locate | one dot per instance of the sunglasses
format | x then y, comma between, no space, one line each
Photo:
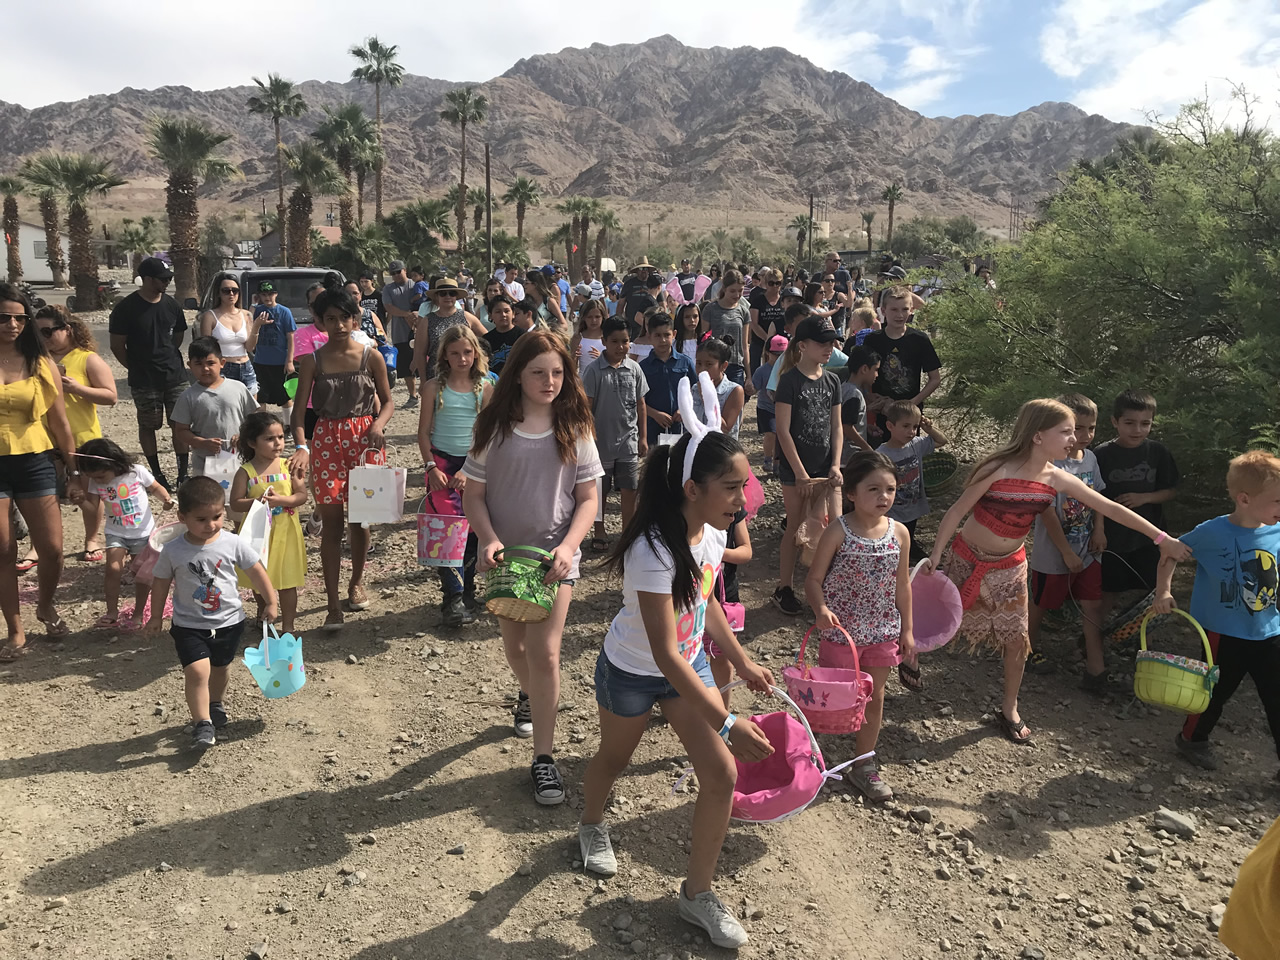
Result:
48,332
450,296
13,318
775,283
230,289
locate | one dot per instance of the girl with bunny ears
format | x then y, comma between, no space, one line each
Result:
653,652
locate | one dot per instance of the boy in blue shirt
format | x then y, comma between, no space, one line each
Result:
274,328
663,370
1234,597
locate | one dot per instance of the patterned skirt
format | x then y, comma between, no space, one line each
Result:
993,590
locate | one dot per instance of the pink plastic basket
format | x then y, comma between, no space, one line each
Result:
442,534
788,780
755,496
145,572
832,699
936,609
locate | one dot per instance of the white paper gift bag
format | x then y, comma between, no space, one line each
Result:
375,493
222,466
256,529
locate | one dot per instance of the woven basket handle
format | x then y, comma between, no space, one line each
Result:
800,658
544,556
1142,633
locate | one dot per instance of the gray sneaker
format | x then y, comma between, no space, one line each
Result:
706,911
1198,753
202,737
596,850
865,778
523,725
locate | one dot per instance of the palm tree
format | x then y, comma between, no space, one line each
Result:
416,227
700,251
83,176
505,248
892,194
868,217
524,193
801,225
343,135
368,158
314,175
464,106
139,240
377,66
367,247
572,208
278,99
479,200
563,234
185,146
43,173
607,222
720,237
11,186
592,210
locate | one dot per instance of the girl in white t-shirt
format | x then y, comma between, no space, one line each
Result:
588,343
123,486
653,653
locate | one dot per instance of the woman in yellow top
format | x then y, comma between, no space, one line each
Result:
87,384
1251,928
32,418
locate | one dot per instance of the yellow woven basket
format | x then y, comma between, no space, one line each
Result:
1173,682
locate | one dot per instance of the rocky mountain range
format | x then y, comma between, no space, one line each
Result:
657,120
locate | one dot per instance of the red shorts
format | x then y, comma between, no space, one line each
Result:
336,447
872,655
1049,591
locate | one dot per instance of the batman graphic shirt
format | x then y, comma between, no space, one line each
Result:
1236,578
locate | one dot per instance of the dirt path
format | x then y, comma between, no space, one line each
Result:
322,826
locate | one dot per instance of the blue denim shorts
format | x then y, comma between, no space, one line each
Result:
631,694
245,373
28,476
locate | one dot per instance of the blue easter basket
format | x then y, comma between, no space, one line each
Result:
276,663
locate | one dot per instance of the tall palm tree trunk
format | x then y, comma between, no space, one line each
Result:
575,259
346,205
584,231
462,195
377,170
11,224
600,238
568,253
360,197
799,246
300,209
888,240
280,207
520,221
84,265
53,239
184,241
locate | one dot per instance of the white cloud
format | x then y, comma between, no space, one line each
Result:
1154,55
920,93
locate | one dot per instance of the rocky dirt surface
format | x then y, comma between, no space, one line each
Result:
385,811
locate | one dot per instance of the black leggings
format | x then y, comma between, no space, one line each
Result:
917,552
456,580
1235,658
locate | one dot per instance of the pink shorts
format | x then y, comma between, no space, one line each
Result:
873,655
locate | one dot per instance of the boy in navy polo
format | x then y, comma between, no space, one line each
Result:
1234,597
663,370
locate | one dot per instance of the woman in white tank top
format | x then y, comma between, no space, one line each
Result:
230,326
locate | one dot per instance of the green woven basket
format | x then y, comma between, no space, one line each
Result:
514,589
940,471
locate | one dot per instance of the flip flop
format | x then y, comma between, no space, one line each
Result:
57,627
10,653
106,622
22,566
1016,733
92,556
909,677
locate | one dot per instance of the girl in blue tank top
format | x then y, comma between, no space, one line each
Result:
450,403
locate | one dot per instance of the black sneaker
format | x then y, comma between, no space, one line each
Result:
218,714
469,601
523,725
202,737
1098,684
548,788
1196,752
1039,664
784,598
454,611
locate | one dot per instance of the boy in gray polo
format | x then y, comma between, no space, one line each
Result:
616,386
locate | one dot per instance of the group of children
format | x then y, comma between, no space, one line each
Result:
568,419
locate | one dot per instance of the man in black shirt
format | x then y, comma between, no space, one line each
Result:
639,302
146,330
687,279
371,296
906,354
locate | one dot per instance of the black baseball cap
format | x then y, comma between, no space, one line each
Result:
816,328
156,268
266,286
395,266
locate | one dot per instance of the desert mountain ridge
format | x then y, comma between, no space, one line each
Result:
652,121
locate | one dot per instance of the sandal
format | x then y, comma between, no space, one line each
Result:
92,556
22,566
599,544
57,627
10,653
909,677
106,622
1014,732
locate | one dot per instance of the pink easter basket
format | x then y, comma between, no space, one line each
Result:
832,699
442,532
755,496
788,780
936,609
145,571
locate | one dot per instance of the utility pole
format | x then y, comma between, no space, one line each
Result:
648,243
809,231
488,207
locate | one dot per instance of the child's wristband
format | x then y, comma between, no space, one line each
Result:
728,725
1160,539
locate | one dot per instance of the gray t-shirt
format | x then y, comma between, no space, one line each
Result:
205,593
214,412
728,322
615,394
911,502
399,295
1075,517
529,491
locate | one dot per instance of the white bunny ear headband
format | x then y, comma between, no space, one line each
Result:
697,428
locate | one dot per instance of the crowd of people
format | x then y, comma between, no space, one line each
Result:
537,398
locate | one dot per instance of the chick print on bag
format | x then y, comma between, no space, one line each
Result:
207,593
690,625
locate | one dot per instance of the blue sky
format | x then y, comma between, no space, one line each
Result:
1120,58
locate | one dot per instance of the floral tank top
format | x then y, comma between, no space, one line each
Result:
861,588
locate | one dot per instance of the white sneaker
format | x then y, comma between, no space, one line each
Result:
548,787
523,725
596,850
706,911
